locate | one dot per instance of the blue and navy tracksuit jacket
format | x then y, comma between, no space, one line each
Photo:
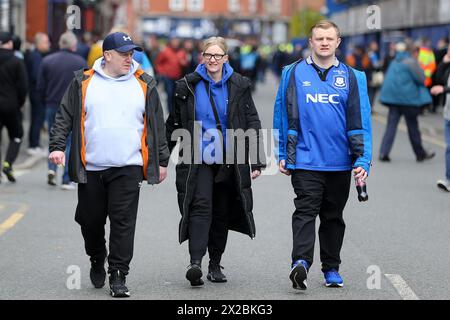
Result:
323,118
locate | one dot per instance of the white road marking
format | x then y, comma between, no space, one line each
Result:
402,287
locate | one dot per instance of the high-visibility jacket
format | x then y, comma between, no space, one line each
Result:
427,62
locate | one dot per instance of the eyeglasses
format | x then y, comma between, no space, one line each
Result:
217,56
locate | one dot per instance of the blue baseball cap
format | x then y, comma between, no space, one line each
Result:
119,41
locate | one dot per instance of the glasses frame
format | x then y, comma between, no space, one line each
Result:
205,55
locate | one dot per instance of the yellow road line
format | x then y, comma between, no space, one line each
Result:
402,127
13,219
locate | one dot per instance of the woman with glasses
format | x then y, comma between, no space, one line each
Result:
213,175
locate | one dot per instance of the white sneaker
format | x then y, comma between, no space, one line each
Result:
31,151
51,177
38,151
69,186
444,184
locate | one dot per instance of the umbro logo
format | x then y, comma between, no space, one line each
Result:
126,38
306,84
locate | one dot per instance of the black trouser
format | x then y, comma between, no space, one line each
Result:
394,115
208,215
114,193
324,194
13,123
37,119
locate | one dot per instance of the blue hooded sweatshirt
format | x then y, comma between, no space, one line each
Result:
203,109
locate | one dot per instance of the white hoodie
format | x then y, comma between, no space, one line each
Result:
114,120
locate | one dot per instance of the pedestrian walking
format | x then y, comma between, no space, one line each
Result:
375,75
33,60
322,113
117,124
13,91
249,63
214,195
54,78
427,60
170,65
442,77
404,93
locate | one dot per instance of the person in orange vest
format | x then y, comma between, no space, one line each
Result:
427,61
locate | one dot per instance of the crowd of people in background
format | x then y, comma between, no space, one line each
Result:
169,59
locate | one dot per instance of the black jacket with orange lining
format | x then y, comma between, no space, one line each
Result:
71,115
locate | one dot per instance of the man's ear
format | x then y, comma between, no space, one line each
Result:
107,56
338,42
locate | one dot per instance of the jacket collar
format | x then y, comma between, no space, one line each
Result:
236,86
309,60
238,81
80,76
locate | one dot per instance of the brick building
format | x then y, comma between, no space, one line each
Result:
27,17
264,19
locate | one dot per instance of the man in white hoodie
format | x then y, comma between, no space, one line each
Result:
118,140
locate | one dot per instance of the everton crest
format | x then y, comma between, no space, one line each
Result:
339,82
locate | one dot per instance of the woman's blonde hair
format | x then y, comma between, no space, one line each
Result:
219,41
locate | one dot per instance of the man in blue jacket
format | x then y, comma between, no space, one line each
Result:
322,121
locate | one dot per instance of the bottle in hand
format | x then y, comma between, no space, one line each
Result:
362,190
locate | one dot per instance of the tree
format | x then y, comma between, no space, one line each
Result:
302,21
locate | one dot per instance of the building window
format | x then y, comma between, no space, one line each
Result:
272,7
195,5
253,6
234,5
276,6
176,5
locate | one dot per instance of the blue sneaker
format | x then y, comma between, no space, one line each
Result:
298,274
333,279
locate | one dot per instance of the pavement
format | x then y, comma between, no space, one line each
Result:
394,248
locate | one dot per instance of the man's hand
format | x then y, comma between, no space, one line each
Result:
162,174
57,157
281,167
360,173
447,57
435,90
256,174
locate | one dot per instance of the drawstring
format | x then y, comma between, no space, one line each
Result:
224,98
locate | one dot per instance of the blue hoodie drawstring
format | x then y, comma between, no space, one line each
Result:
224,99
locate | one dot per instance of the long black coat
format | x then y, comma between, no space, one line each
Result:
242,114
